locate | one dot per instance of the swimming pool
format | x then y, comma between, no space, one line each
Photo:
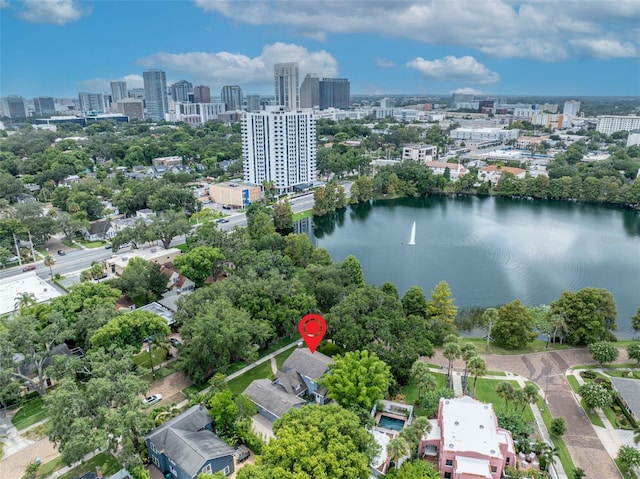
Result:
391,423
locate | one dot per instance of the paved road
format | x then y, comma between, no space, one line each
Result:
548,371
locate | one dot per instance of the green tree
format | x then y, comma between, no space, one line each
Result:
357,379
506,391
514,328
224,412
633,351
35,343
199,263
477,367
107,407
282,215
558,426
414,433
635,321
603,352
590,315
414,302
397,448
172,197
49,261
468,351
217,334
595,396
529,394
130,329
259,222
315,441
441,306
299,249
451,351
5,254
414,470
629,456
167,225
423,378
353,269
142,281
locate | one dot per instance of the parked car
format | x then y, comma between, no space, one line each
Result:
223,220
61,252
226,207
109,246
175,342
29,267
242,453
153,399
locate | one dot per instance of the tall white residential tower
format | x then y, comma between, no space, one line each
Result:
279,146
286,77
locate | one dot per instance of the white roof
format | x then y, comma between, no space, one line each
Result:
382,440
472,466
469,425
12,286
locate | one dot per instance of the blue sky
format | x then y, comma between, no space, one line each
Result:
537,47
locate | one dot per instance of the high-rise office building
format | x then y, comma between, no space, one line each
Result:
132,107
180,90
334,93
155,94
136,93
571,108
201,94
279,146
286,83
118,91
91,103
253,103
310,91
44,105
14,107
231,96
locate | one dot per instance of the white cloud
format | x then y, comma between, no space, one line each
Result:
52,11
217,69
467,91
101,85
450,68
384,63
550,30
4,4
605,48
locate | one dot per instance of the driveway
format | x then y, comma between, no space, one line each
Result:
547,370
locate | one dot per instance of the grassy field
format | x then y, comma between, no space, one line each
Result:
29,413
142,359
626,472
410,391
302,215
48,468
532,347
239,384
105,460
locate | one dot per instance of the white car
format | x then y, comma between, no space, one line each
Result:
153,399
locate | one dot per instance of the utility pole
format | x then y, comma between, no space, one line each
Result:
17,250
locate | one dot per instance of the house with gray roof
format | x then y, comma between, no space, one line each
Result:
271,400
295,381
300,372
629,393
186,446
99,230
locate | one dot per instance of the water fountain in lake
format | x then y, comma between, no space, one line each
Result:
412,240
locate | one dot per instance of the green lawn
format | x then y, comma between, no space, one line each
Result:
29,413
50,467
239,384
563,452
593,417
623,373
302,215
410,391
282,357
626,472
532,347
142,359
105,460
573,382
91,244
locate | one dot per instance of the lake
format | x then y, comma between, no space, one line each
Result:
491,250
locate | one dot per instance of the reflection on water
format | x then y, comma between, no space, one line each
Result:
492,250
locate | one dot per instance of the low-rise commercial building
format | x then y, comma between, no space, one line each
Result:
236,194
118,262
484,134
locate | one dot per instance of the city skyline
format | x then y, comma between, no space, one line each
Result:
493,48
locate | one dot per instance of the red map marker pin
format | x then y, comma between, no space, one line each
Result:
312,328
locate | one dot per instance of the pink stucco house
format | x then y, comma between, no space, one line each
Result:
465,441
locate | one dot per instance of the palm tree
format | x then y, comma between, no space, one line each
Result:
24,300
489,319
548,456
49,261
477,367
506,391
451,351
413,434
468,351
423,378
529,395
558,325
397,449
